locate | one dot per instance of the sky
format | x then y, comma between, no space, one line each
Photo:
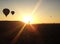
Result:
42,11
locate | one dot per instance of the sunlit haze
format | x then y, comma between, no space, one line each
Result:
39,11
27,19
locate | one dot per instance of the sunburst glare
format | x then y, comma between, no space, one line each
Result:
27,19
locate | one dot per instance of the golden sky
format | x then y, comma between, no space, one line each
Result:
41,11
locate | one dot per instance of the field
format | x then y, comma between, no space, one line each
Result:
37,34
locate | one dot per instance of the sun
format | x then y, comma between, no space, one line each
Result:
27,19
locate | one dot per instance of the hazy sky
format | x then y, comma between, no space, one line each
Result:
47,11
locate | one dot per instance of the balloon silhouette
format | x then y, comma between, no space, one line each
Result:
12,12
6,11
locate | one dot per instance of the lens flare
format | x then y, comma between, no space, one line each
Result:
27,19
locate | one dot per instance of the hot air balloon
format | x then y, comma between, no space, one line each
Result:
6,11
12,12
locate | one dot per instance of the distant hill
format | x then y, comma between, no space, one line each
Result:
44,34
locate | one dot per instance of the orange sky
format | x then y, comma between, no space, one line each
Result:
40,10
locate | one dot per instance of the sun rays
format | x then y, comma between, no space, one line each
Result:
18,34
36,6
27,20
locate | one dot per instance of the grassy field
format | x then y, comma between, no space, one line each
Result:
31,34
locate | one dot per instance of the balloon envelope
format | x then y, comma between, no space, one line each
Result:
12,12
6,11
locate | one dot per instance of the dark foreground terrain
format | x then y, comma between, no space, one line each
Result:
42,33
